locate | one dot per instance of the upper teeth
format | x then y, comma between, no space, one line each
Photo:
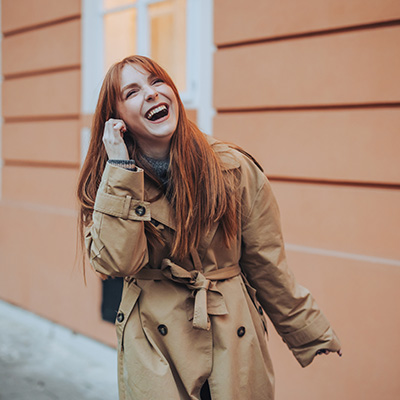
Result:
155,110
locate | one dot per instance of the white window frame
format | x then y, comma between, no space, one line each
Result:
199,62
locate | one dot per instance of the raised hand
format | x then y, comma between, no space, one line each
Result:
113,139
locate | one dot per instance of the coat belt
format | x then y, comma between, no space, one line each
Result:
207,298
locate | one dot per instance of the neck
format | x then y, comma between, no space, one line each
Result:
158,150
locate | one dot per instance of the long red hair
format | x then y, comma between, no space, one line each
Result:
200,192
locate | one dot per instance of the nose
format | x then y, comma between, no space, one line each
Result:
151,93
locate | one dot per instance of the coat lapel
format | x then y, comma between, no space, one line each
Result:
160,209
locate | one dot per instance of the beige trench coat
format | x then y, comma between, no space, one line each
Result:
176,329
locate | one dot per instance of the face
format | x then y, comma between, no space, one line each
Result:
148,107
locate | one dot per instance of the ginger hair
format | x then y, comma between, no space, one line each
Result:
201,193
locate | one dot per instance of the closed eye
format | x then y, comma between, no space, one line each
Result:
156,81
130,93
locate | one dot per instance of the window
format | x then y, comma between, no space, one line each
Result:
175,33
156,29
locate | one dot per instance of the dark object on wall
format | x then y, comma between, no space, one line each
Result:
112,292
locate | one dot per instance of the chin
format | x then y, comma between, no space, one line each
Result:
164,132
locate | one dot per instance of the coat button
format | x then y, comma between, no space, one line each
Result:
241,331
140,210
120,316
162,329
260,310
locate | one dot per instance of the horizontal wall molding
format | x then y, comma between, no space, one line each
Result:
40,164
44,50
347,69
18,15
374,185
45,95
340,145
315,107
41,118
271,18
41,25
49,71
341,254
303,35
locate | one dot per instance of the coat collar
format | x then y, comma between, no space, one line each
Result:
225,153
161,208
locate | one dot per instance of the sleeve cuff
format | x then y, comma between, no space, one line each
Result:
308,333
126,164
122,182
305,342
122,207
305,354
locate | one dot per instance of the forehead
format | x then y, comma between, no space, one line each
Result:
133,74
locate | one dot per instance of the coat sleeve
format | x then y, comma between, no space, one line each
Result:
291,308
116,241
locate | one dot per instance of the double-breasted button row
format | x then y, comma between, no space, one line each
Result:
140,211
164,330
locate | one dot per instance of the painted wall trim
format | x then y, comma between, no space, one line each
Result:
85,141
92,55
200,50
205,30
341,254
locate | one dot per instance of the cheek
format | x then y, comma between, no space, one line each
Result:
176,111
129,112
120,111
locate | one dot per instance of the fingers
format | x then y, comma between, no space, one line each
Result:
113,139
326,351
114,130
119,126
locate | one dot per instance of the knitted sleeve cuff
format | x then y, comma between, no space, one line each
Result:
126,164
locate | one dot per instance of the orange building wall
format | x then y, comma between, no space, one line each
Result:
312,89
41,92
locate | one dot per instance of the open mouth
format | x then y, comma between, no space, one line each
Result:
157,112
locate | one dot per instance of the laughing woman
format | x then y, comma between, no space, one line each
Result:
192,226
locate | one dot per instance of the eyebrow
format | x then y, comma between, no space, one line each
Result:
128,86
134,84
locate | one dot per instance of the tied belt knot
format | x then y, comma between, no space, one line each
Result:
207,298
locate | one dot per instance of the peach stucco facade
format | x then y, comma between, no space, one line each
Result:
311,88
41,97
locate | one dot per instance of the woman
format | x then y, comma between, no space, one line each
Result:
193,227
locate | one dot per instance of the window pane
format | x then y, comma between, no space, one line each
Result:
168,38
119,36
108,4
